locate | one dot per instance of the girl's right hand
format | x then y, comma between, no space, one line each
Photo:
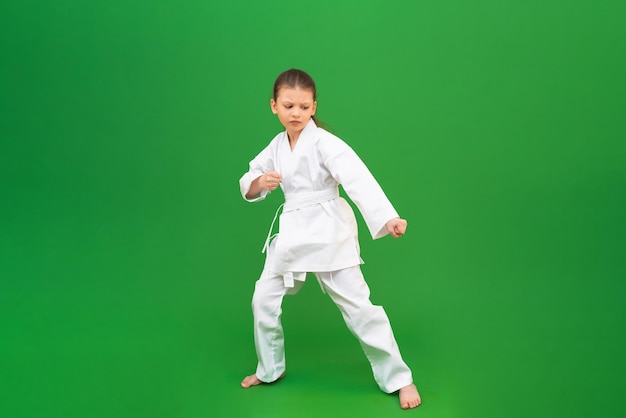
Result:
270,180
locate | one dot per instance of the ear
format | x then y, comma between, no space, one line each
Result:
314,108
273,106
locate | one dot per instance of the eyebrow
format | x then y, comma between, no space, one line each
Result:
288,102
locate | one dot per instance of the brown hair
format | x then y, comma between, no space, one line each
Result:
297,78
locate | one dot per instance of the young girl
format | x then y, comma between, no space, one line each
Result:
318,234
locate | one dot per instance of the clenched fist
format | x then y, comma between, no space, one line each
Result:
396,227
270,180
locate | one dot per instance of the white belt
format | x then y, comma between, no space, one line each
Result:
295,201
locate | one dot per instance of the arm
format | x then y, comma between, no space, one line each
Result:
362,188
252,185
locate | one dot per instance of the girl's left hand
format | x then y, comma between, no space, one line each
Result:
396,227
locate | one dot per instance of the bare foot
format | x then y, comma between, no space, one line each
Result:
252,380
409,397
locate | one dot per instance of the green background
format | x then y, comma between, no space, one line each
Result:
128,258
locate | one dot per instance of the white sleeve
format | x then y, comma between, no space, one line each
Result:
349,170
260,165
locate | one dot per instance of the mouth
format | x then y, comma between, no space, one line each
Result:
294,122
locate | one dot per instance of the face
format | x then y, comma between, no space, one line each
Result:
294,107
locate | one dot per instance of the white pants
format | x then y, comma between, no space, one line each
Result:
367,322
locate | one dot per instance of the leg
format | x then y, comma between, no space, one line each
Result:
371,326
268,331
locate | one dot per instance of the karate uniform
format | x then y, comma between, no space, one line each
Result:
318,234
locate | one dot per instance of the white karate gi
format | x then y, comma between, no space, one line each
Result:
318,234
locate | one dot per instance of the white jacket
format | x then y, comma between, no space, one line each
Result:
318,230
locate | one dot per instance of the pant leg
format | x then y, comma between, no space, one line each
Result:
268,330
369,324
267,300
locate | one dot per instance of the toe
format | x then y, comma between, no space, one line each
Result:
247,382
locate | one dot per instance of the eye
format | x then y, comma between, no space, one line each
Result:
305,107
288,106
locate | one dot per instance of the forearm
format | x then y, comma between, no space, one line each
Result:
255,189
363,189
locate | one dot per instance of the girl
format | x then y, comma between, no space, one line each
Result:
318,234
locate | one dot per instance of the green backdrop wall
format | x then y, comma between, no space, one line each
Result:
128,259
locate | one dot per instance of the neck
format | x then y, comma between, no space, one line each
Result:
293,138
